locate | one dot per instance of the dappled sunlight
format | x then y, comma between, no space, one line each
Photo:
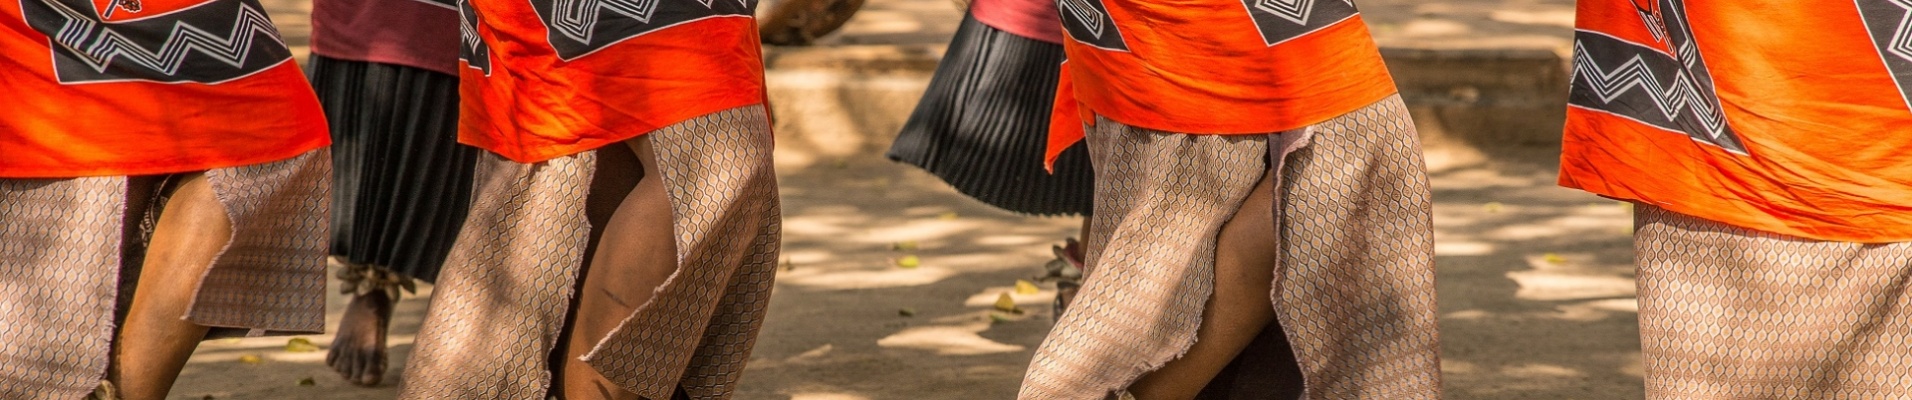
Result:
885,21
1549,281
864,279
826,396
1595,310
1433,27
1541,371
988,296
1462,248
1536,283
1557,18
948,340
921,230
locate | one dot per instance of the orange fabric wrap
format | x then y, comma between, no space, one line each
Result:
1827,132
536,106
1203,69
132,127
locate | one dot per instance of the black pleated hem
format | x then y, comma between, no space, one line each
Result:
402,183
983,124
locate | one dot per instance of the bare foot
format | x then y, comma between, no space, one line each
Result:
358,352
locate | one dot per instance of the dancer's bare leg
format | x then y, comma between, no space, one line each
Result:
635,255
1245,257
155,340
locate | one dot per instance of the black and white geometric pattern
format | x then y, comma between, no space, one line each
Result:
1283,20
576,28
1647,83
214,42
472,48
1889,22
1088,21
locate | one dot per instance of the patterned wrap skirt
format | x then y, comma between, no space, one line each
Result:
1732,313
1353,290
402,183
504,297
71,249
983,124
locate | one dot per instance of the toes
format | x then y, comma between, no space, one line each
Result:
348,365
372,373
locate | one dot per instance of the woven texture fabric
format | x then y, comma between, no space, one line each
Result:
983,124
504,295
1354,289
271,277
402,182
1732,313
59,256
60,249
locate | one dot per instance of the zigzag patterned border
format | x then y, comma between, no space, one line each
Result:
1889,24
1665,84
1088,22
576,19
472,48
101,47
577,28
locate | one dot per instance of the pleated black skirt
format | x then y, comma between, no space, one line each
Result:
402,183
983,124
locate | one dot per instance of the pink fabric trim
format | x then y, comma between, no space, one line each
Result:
1034,19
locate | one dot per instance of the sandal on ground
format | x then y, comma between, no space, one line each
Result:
1066,271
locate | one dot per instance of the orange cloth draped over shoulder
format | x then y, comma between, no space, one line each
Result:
1789,117
543,81
1213,66
102,88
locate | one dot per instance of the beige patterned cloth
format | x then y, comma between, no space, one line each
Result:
1354,290
1732,313
505,291
61,246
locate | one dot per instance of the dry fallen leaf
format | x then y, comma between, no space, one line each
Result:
251,359
997,317
300,345
1007,304
1026,287
909,262
906,311
1554,258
